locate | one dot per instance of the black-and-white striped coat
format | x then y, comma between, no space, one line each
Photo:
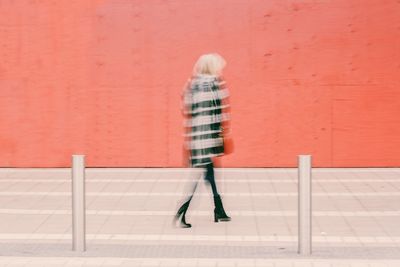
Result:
206,108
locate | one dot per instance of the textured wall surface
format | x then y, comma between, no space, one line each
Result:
104,78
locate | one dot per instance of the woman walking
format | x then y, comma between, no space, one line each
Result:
205,107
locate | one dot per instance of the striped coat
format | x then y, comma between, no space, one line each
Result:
205,106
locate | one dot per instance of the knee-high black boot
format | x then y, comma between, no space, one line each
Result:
182,210
181,214
219,212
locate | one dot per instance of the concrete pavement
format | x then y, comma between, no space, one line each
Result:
356,215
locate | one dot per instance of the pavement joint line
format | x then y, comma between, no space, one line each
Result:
197,237
300,260
241,213
224,180
164,194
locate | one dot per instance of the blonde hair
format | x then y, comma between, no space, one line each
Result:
211,64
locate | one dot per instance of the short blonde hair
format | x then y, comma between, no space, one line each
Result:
211,64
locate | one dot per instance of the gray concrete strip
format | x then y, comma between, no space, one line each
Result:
392,240
184,252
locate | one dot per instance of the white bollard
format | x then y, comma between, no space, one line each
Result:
304,209
78,203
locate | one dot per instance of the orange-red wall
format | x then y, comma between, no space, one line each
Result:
104,78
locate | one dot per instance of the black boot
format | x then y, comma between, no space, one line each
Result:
219,212
181,214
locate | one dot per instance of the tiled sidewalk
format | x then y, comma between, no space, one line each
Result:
356,218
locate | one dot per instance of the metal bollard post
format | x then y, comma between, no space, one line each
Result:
304,209
78,203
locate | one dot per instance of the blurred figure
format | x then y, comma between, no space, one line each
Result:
206,111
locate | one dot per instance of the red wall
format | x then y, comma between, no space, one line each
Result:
104,78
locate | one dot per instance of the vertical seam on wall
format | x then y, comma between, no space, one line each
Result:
167,132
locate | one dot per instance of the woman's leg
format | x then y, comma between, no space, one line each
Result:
210,177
